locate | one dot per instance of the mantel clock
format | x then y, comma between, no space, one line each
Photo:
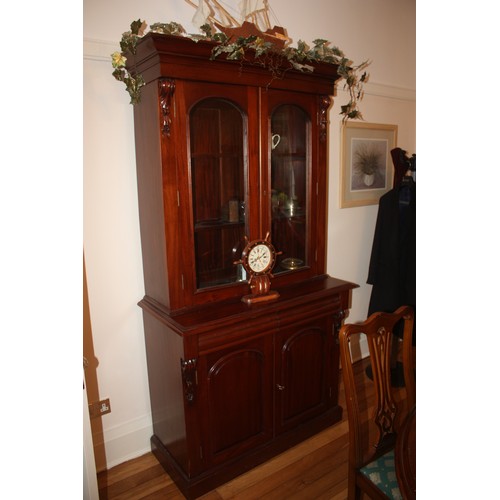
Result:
258,259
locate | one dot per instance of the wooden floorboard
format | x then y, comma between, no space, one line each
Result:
315,469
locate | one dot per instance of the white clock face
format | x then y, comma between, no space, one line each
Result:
259,258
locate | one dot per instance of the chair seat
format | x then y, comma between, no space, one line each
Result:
382,473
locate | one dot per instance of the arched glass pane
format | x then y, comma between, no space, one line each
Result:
289,203
218,190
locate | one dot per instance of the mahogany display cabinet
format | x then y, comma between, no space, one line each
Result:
228,152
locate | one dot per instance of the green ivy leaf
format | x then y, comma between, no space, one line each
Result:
119,74
320,41
301,46
207,29
301,67
260,50
136,26
221,37
129,42
168,28
236,55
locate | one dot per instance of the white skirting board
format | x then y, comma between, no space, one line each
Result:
126,441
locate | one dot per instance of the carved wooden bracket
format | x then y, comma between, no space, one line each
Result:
338,318
188,368
324,104
167,88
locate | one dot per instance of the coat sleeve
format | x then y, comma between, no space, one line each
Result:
377,240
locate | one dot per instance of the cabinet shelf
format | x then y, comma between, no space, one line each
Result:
216,224
289,156
201,154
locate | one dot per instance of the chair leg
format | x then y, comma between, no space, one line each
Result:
357,493
353,490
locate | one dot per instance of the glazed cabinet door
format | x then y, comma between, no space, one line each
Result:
304,375
296,206
236,400
218,195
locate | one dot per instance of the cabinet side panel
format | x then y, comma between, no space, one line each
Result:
164,350
149,185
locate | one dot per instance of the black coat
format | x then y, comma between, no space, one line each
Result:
393,259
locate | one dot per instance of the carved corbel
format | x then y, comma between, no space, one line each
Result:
338,319
167,88
324,104
188,368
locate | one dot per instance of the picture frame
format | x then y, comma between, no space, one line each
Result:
366,169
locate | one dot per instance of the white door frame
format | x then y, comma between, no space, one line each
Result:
90,489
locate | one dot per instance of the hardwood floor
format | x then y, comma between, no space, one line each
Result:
316,469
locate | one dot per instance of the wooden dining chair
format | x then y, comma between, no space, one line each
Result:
371,458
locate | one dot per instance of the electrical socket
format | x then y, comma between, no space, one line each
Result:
99,408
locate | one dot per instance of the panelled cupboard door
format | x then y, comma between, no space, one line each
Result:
304,376
236,407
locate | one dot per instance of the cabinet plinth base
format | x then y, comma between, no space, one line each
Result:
197,486
258,299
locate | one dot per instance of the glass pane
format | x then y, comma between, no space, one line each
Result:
289,163
218,187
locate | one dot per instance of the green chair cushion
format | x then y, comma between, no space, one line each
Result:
382,473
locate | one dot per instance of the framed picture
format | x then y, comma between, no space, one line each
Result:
366,169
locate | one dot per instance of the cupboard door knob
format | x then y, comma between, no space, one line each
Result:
280,387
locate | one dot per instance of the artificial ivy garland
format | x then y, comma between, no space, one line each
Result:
265,52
